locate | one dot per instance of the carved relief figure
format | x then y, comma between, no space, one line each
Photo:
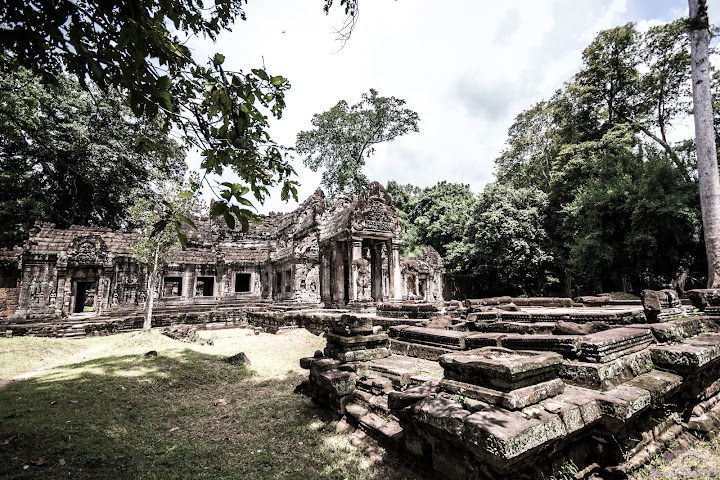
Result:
313,279
53,294
35,291
363,279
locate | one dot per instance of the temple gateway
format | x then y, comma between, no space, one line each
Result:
331,252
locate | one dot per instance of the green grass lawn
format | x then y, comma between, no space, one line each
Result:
100,409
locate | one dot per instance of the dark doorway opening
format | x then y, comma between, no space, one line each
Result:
84,297
346,281
205,287
242,282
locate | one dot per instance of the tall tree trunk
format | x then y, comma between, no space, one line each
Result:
151,291
705,137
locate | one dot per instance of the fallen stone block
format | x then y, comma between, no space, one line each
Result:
610,344
339,383
442,414
659,384
624,402
566,344
684,356
417,350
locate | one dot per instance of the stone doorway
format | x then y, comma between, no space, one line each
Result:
85,297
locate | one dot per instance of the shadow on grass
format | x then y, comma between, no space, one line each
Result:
182,414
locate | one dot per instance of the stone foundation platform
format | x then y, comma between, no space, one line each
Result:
509,403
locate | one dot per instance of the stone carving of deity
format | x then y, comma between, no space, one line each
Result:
53,295
35,291
363,279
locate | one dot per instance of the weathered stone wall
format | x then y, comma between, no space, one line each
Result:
230,317
38,288
9,301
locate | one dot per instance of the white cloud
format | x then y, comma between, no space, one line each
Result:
467,67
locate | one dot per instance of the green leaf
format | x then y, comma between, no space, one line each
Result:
217,209
277,80
229,219
158,227
183,239
218,59
187,220
185,194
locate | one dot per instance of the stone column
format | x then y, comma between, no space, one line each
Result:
354,253
338,281
188,284
62,303
390,276
396,274
376,271
325,276
102,295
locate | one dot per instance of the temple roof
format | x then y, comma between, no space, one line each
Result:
46,239
370,214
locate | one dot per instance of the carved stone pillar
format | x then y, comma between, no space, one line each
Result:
188,284
396,274
390,276
325,276
355,253
376,271
338,281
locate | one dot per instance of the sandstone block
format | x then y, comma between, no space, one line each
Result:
500,368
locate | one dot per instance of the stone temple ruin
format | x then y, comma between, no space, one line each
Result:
328,252
490,388
521,388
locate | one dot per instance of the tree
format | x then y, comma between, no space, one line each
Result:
527,160
592,148
137,47
345,136
440,215
161,219
508,240
74,156
708,177
635,221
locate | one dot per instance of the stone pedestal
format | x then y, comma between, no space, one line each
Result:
352,339
509,378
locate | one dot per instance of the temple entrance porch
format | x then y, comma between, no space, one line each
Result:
360,269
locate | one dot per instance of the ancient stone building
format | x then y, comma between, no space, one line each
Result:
330,252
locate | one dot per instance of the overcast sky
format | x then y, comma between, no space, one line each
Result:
468,67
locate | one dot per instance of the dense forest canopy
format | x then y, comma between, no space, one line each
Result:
595,190
75,156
